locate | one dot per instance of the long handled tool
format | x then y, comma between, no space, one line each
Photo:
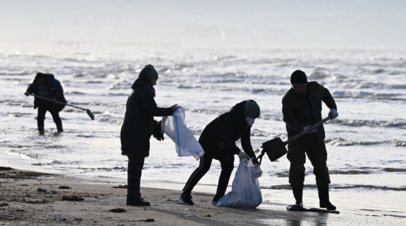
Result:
91,115
275,148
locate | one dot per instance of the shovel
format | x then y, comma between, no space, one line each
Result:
91,115
275,148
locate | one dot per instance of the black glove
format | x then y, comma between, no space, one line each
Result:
156,132
255,161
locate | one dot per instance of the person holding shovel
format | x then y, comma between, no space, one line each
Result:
48,90
218,142
301,108
137,128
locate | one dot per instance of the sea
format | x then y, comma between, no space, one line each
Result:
366,144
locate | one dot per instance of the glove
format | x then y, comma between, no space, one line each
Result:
333,114
27,94
156,132
242,155
310,131
255,161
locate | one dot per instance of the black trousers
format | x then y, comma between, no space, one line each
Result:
134,171
317,155
42,110
227,166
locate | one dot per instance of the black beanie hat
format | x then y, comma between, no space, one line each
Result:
298,77
150,71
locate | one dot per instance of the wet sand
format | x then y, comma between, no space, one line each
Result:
33,198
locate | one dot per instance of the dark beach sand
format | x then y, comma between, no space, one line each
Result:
33,198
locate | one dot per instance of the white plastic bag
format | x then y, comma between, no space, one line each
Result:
186,144
246,192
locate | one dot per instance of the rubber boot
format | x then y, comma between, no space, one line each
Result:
59,127
324,198
41,129
298,194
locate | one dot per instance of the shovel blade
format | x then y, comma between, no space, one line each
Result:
274,148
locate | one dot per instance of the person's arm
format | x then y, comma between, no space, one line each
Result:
57,91
149,105
227,136
289,117
30,89
246,143
328,99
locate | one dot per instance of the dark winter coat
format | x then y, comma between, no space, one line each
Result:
139,118
54,88
225,130
301,111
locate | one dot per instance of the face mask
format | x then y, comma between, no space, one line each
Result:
250,121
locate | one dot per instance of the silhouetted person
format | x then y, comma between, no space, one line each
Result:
218,142
302,106
45,85
137,129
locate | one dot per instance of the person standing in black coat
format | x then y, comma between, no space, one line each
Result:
45,85
218,142
137,129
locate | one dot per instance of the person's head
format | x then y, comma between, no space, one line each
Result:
298,79
40,78
151,72
251,111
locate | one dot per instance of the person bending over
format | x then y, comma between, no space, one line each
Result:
218,142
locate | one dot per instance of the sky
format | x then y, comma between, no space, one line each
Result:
277,24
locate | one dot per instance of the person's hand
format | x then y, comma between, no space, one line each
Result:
242,155
311,130
156,132
255,161
174,108
333,114
27,94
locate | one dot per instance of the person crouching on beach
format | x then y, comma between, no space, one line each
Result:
137,129
46,86
218,142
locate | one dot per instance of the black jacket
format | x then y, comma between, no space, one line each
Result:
300,111
139,118
221,134
55,90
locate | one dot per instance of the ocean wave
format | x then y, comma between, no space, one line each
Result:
369,95
333,186
342,142
398,143
401,124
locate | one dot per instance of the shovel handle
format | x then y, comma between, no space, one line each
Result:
58,102
305,131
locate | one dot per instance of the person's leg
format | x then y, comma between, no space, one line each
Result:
227,166
134,171
40,119
55,116
201,170
318,157
296,156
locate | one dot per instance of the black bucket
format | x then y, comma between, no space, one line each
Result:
274,148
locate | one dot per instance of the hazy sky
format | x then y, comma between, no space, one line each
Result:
360,24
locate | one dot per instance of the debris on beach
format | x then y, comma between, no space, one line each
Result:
3,204
207,215
147,220
2,168
38,201
71,198
41,190
118,210
64,187
121,186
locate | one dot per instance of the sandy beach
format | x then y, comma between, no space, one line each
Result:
33,198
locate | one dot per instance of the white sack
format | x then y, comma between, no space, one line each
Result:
246,192
186,144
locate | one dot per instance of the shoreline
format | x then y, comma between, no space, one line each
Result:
33,198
